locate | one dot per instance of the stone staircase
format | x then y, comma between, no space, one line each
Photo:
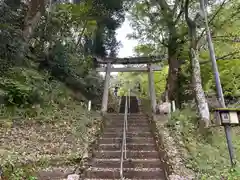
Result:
134,108
143,160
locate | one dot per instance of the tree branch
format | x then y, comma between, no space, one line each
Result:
233,15
82,32
180,13
164,5
188,20
212,18
176,5
166,10
225,57
151,17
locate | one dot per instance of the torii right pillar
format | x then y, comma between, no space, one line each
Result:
106,89
152,92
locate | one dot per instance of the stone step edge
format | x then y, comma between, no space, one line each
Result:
121,179
96,169
132,138
127,133
121,128
132,132
118,126
133,160
128,144
128,151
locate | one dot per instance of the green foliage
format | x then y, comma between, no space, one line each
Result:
22,87
18,94
151,22
59,44
47,78
207,153
19,173
225,28
58,116
130,80
229,75
97,27
10,36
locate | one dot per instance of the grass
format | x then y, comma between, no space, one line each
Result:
207,153
54,132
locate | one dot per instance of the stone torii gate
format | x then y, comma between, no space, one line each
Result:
107,63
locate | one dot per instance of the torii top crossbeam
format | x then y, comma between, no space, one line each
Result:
131,60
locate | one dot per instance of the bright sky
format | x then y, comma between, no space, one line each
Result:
127,44
127,48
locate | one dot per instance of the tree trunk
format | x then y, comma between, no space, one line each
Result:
199,93
200,98
34,13
172,80
30,25
169,15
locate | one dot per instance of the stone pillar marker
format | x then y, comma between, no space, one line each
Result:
106,87
152,88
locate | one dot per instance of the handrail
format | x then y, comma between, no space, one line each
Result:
129,101
124,144
119,103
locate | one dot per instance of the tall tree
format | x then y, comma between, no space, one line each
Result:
196,71
165,20
35,9
162,24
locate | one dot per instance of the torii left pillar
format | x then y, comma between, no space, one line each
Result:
152,92
106,86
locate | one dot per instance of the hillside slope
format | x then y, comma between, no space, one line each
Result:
43,124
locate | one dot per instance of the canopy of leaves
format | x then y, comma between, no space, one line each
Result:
60,38
150,23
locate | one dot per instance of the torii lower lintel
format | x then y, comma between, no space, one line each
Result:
129,69
131,60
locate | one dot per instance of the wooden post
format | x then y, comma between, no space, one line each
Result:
106,86
173,106
152,88
89,105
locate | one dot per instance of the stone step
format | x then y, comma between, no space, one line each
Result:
130,116
121,114
129,140
132,147
120,118
129,134
114,173
119,179
132,163
120,121
147,128
117,125
129,126
130,154
130,129
55,174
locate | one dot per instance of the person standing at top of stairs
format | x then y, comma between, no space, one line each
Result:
115,90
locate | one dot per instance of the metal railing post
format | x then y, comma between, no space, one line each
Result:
125,128
124,141
129,93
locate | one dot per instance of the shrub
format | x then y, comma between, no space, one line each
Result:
207,154
19,94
